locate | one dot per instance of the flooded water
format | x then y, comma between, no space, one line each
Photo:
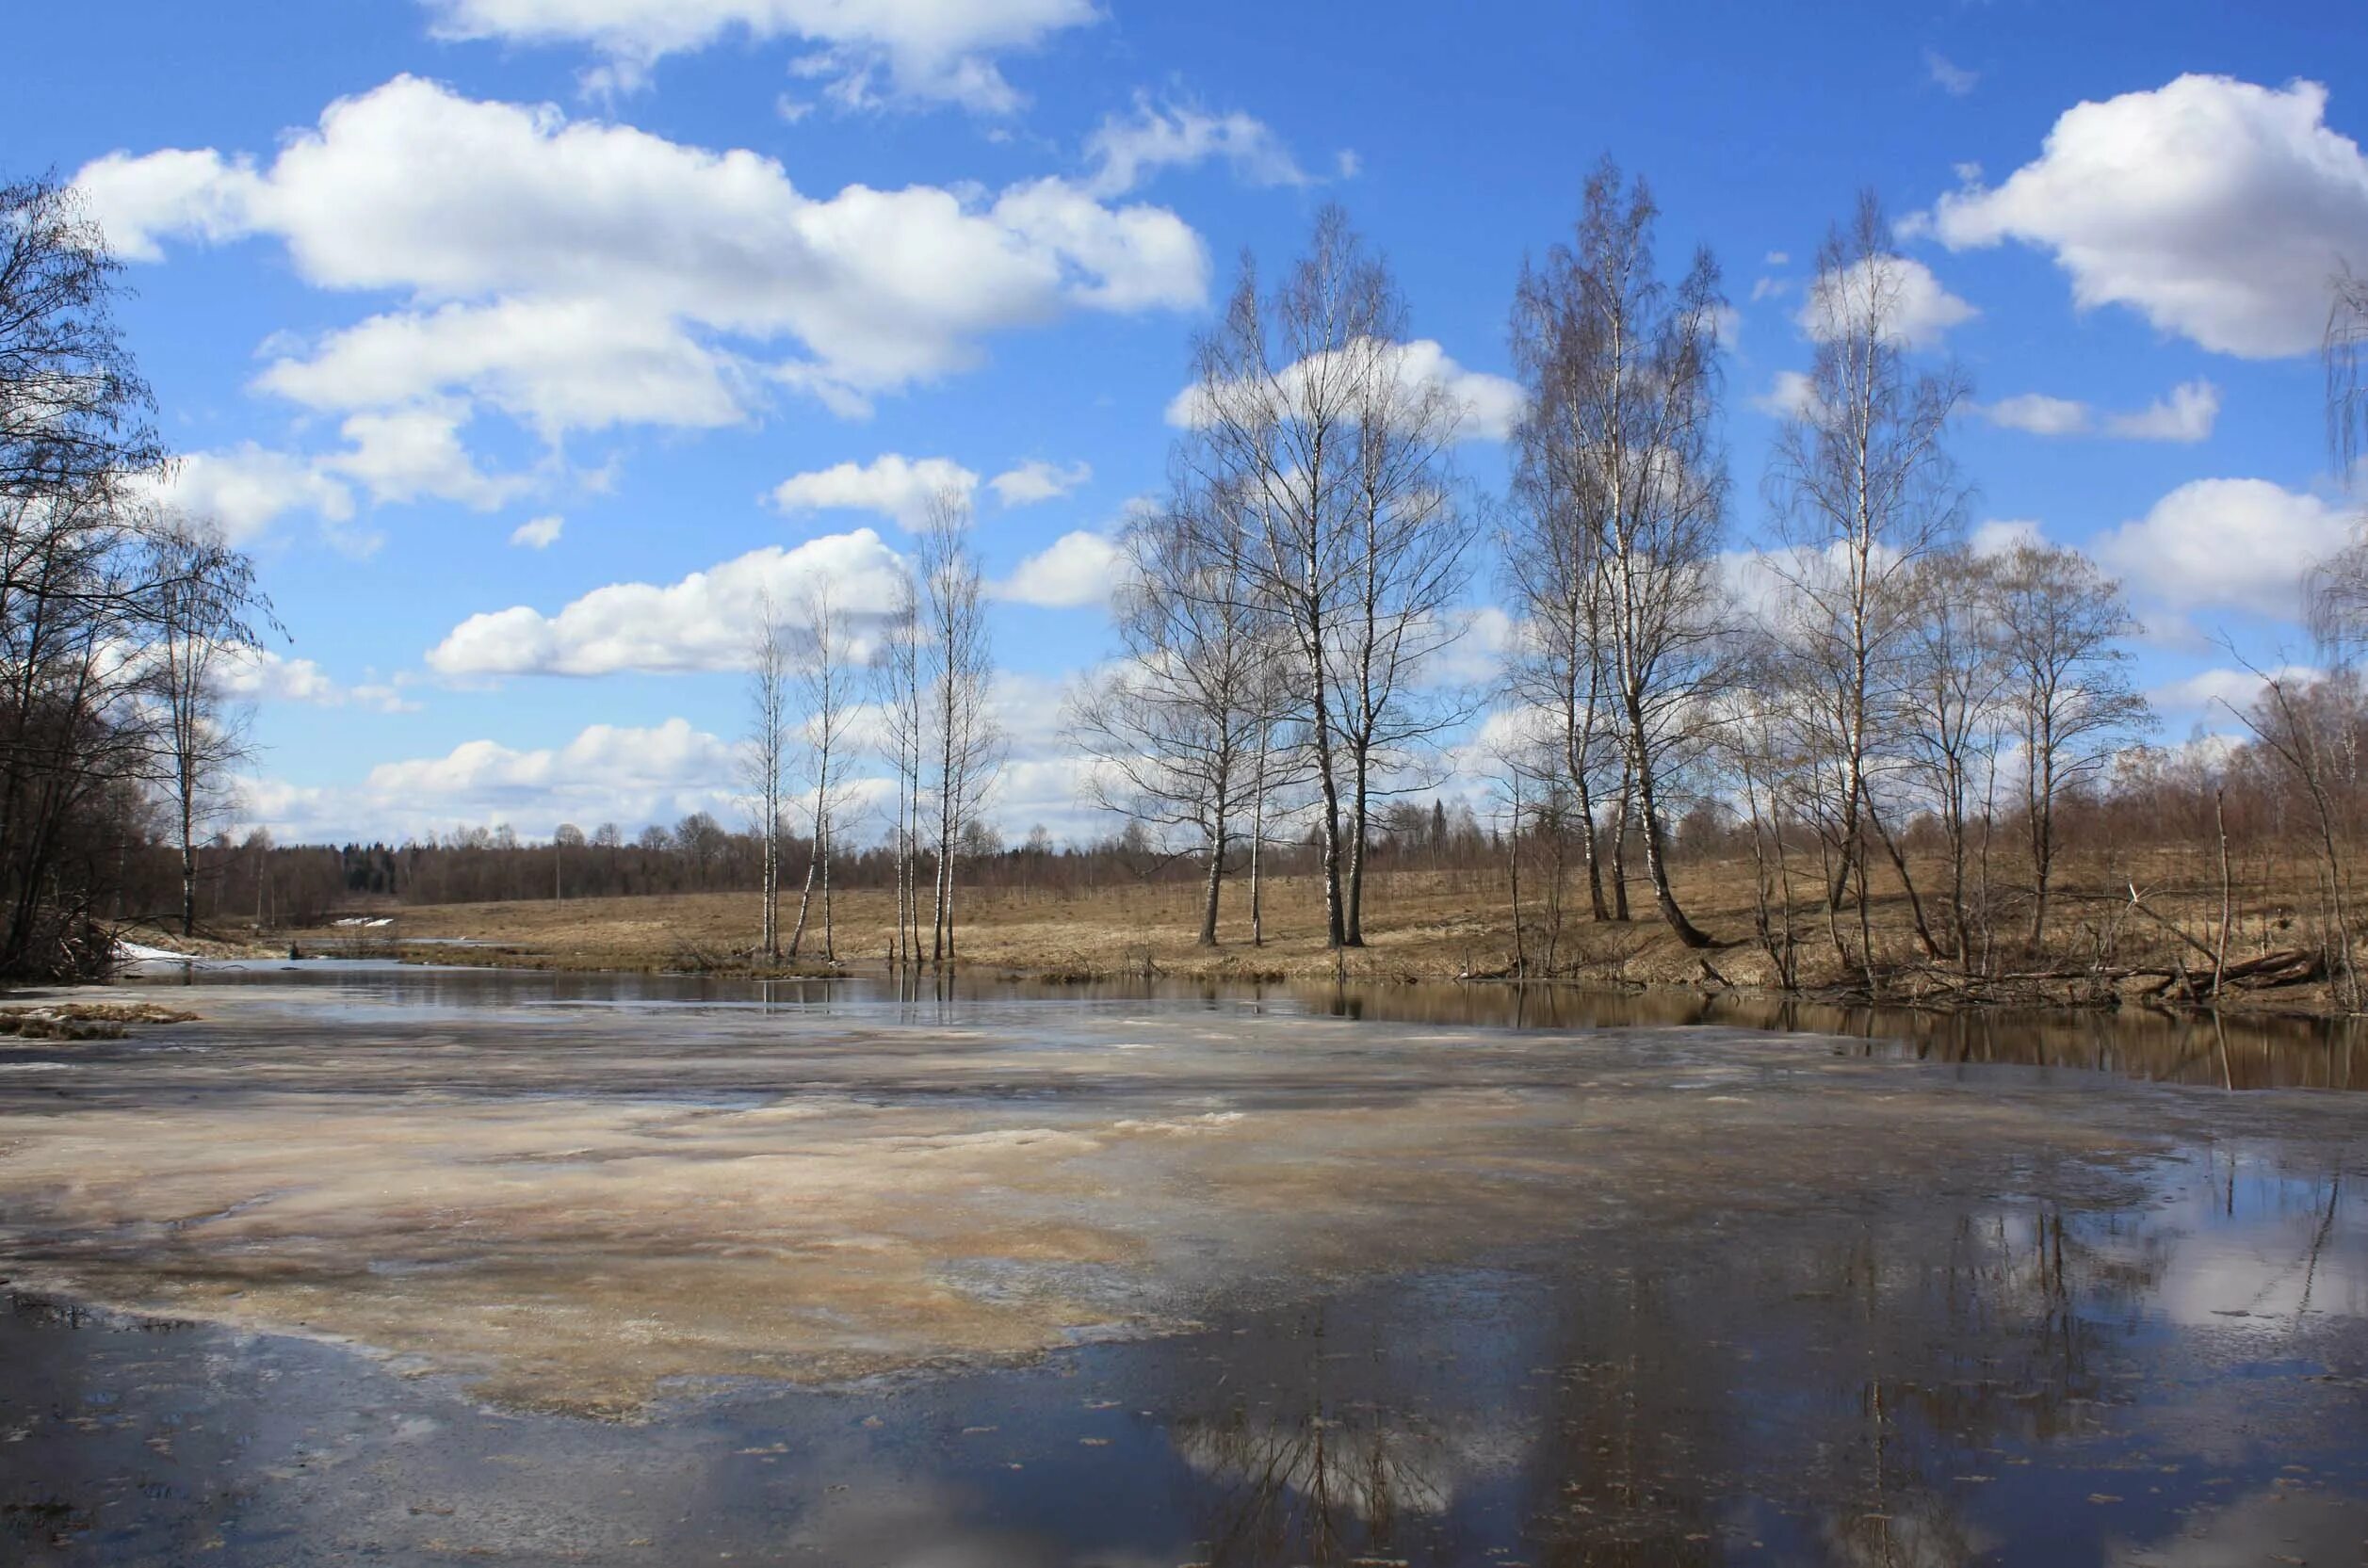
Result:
427,1266
2238,1051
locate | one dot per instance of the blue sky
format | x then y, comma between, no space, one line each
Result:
415,277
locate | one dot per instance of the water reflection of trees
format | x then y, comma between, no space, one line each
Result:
1346,1433
1307,1486
2230,1052
1833,1387
1851,1381
2237,1052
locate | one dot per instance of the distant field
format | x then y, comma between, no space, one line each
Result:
1420,924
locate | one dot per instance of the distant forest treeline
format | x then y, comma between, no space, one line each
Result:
299,886
2172,807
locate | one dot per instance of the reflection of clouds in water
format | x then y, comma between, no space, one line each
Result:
2228,1241
2254,1247
2273,1526
875,1507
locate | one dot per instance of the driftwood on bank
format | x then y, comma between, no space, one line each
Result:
2092,984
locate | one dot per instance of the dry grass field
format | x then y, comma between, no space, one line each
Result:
1420,924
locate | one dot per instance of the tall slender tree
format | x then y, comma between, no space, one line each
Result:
1553,570
200,632
1952,712
768,723
1408,539
824,676
1866,490
1307,410
1174,727
1623,379
965,742
897,691
2062,625
2338,585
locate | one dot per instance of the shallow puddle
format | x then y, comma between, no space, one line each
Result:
534,1270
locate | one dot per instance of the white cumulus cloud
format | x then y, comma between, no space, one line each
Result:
891,485
538,533
1037,481
1998,535
1790,396
629,775
2035,413
864,51
702,622
553,364
415,454
2240,544
1918,311
1949,77
668,753
2212,693
577,273
246,488
2215,208
262,675
1074,570
2186,414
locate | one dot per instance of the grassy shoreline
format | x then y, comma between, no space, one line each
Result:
1421,926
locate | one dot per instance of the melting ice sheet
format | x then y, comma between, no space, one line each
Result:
436,1267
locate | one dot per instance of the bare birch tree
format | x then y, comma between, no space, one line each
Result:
1865,489
965,744
1175,727
1951,709
2338,585
1623,385
1553,567
2344,358
768,723
1278,766
1304,409
200,632
1762,743
1275,401
824,684
1408,539
2061,624
2312,727
897,691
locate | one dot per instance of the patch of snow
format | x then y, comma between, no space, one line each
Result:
140,952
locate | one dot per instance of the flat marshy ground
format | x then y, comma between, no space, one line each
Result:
1420,924
1049,1278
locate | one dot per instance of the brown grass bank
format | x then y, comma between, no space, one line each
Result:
2103,947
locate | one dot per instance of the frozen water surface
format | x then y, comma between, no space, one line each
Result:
431,1264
